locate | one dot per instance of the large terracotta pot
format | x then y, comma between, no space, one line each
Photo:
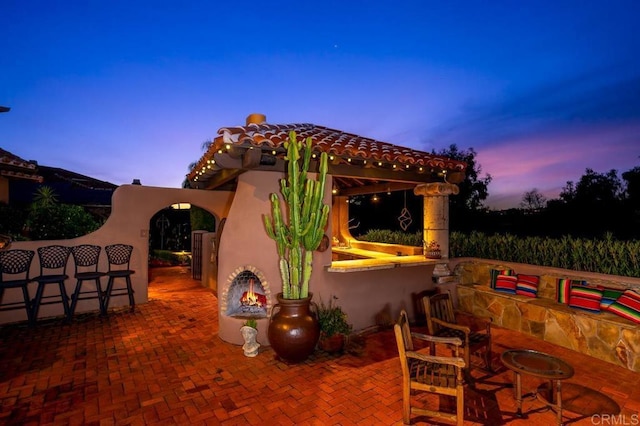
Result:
293,329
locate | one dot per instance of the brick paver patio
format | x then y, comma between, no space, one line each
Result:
165,365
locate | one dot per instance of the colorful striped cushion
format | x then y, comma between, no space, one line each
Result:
585,297
609,295
496,272
627,306
527,285
563,289
506,283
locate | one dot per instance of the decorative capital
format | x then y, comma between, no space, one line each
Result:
436,189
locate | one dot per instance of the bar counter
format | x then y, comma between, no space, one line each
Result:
368,260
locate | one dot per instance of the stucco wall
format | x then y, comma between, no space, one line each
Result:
133,206
367,297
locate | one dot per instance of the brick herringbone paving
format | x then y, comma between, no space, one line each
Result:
166,365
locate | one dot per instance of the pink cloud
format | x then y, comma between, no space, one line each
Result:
547,162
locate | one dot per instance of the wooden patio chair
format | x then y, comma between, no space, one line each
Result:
427,372
442,322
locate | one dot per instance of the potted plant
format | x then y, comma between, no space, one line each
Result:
432,250
249,332
334,327
297,224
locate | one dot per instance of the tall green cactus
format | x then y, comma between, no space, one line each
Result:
300,234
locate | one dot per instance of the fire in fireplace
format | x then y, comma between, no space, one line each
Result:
251,298
247,294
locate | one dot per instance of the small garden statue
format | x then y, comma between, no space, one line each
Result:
249,334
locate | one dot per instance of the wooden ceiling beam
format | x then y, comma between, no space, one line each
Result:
223,176
375,173
377,188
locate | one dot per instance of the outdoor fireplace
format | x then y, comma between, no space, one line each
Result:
246,294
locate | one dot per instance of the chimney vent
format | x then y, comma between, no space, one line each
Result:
256,119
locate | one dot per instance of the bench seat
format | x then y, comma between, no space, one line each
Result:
603,335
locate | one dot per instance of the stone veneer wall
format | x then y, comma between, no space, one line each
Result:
604,335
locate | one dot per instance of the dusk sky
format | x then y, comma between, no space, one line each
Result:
541,90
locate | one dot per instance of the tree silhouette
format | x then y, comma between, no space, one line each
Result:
533,200
467,208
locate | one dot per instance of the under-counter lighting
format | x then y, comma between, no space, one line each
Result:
181,206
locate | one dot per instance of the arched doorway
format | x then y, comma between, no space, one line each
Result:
176,238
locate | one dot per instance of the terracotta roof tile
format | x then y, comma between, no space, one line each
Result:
15,167
334,142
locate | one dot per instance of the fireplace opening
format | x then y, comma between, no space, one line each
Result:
246,296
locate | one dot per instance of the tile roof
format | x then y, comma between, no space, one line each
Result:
341,145
13,166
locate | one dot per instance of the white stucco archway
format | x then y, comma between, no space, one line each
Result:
132,207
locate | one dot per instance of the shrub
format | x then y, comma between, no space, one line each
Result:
393,237
59,221
605,255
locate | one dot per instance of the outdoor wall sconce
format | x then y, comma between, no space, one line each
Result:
5,241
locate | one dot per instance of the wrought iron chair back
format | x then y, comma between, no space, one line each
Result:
15,262
119,255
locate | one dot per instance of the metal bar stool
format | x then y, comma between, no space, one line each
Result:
14,273
86,258
119,256
53,270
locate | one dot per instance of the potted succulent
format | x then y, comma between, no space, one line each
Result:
432,250
297,224
249,332
334,327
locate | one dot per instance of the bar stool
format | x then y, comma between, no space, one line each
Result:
86,258
53,270
14,273
119,256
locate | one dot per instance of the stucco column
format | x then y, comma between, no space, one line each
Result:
436,218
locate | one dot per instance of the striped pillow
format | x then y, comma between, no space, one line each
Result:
627,306
585,297
527,285
609,295
496,272
563,289
506,283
